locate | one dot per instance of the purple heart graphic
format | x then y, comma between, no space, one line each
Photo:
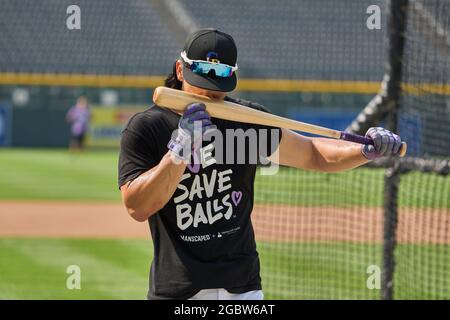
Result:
236,196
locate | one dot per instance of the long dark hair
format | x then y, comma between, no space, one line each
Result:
172,81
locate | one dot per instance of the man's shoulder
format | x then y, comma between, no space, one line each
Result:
151,116
248,103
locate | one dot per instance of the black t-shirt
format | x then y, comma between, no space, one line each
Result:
203,237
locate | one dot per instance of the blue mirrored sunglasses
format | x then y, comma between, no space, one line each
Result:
204,67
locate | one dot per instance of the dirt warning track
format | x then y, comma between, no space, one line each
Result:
69,219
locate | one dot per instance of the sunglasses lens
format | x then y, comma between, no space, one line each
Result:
221,70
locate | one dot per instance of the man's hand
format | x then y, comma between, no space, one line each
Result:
386,143
191,128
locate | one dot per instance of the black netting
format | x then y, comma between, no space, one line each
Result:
425,100
423,231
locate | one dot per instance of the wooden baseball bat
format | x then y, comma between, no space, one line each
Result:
177,100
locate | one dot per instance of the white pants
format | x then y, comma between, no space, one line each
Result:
222,294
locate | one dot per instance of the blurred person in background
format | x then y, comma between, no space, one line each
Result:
78,116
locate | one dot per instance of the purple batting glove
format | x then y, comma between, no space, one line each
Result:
385,143
191,128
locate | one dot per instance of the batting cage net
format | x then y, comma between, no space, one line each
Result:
425,104
377,232
423,227
384,231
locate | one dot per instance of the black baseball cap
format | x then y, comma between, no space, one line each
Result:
199,46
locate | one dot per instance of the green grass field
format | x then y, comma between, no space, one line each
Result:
110,269
58,175
118,269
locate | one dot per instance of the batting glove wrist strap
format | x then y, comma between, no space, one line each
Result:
181,144
368,151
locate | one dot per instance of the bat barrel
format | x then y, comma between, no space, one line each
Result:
177,100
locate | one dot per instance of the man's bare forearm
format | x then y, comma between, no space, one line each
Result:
149,192
318,154
336,155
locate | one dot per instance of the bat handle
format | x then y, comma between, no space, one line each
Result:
364,140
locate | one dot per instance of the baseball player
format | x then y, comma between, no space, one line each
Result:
199,211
